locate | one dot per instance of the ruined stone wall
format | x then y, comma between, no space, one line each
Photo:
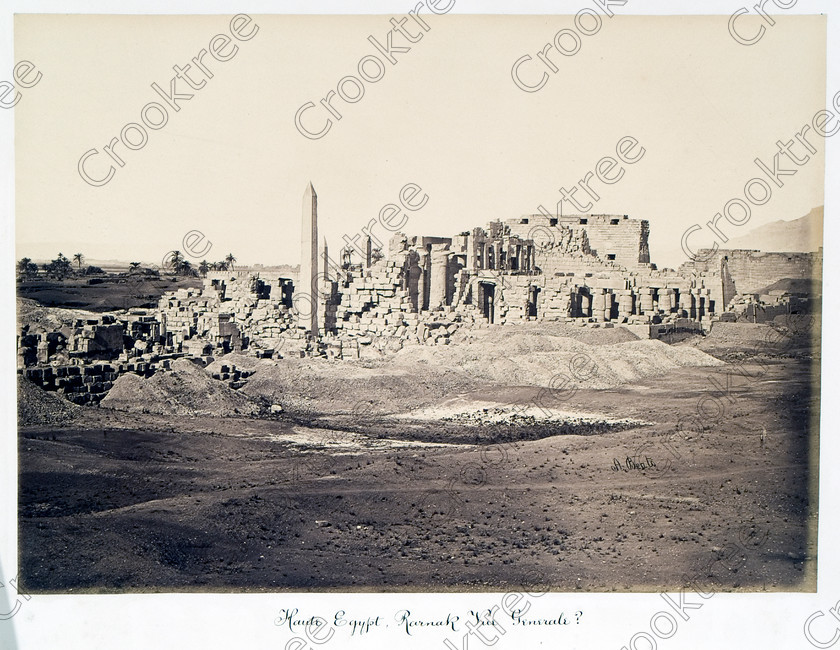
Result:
383,306
375,302
85,384
751,271
614,238
265,322
102,338
551,262
377,309
619,236
188,312
255,304
641,297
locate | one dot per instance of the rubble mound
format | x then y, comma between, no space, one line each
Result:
589,335
741,333
359,387
37,407
790,335
38,318
186,389
628,362
419,376
233,359
531,359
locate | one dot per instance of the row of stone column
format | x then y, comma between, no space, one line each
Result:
489,255
605,304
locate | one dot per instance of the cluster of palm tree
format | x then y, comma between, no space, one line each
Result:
62,266
224,265
59,268
26,268
179,264
183,266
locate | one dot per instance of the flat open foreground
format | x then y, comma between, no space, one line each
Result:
140,502
109,292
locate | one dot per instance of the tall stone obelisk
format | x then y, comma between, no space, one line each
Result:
308,277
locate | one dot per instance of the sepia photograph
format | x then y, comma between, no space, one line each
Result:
421,302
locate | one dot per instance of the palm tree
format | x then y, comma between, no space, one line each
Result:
230,259
23,266
61,267
134,266
203,267
347,257
175,260
79,258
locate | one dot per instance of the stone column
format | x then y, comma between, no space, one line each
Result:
598,304
701,304
422,282
646,300
585,305
43,350
608,306
438,276
625,303
666,300
472,253
687,303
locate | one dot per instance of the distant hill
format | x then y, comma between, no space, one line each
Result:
288,269
801,235
113,266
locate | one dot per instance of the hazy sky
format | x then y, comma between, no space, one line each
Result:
447,117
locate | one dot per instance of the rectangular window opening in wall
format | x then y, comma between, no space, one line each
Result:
552,222
583,222
611,256
613,222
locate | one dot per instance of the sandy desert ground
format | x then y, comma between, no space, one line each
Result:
439,469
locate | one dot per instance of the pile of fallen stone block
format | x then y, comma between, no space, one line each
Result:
235,378
79,384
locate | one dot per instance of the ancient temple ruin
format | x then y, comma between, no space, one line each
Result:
583,270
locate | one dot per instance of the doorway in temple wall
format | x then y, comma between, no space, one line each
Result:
487,298
533,295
